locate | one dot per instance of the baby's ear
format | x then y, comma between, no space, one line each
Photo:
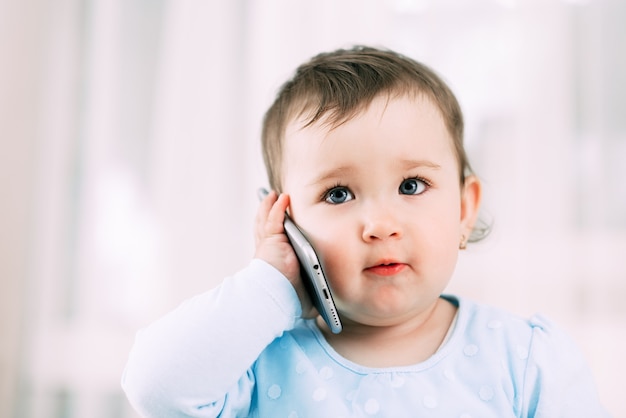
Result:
471,195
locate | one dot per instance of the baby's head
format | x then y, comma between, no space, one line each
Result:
336,86
368,145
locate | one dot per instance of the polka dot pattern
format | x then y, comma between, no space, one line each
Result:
301,367
274,392
351,396
470,350
326,373
319,394
486,393
467,369
371,407
522,352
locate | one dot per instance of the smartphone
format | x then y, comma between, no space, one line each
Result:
312,273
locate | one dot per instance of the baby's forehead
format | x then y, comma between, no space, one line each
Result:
306,115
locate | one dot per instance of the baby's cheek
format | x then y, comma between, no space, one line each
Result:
337,262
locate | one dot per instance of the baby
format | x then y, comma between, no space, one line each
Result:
364,149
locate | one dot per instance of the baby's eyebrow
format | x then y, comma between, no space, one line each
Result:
410,164
333,173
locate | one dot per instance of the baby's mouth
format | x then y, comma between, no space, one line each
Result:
386,269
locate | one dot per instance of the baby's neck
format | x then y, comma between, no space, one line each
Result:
401,345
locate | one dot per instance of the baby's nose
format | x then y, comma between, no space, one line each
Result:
380,224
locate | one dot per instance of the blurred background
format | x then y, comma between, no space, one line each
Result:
130,161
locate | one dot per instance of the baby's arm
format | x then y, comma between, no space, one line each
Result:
558,381
185,364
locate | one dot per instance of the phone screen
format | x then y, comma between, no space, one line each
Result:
312,273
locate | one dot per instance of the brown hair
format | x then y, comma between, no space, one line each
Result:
337,85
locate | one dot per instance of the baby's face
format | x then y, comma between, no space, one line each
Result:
380,199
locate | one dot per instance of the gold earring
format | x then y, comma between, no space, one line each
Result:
463,244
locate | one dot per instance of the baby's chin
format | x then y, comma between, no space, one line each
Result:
386,310
372,318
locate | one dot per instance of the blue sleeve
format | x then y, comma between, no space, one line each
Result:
557,382
196,361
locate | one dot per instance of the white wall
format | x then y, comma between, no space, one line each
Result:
20,53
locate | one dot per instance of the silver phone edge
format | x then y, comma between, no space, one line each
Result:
294,233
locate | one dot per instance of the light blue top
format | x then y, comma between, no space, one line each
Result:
241,350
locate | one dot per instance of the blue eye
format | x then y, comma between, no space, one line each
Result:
413,186
338,195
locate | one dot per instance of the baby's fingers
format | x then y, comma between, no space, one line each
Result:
262,214
272,245
276,215
271,215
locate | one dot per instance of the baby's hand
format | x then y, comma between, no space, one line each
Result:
272,246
